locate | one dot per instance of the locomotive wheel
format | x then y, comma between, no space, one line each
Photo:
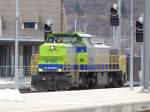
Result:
91,82
83,82
115,79
87,81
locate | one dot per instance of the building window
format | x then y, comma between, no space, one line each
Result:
29,25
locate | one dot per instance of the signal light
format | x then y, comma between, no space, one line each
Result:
47,30
114,17
139,30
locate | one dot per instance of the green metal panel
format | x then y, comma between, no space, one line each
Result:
50,53
82,58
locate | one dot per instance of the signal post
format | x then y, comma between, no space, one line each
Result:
114,21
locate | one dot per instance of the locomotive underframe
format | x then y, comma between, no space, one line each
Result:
76,80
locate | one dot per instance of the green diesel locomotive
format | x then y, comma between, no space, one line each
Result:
70,60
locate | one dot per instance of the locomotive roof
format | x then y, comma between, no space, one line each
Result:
80,34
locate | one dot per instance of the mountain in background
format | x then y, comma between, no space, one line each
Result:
96,15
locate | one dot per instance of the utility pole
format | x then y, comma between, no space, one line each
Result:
114,37
85,28
142,66
146,45
119,27
62,15
75,25
142,58
16,47
131,49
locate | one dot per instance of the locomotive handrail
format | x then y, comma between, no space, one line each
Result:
85,68
109,63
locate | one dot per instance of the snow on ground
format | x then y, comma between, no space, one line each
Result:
10,95
6,82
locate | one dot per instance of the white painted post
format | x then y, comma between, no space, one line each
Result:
0,26
131,49
16,47
146,46
75,25
119,27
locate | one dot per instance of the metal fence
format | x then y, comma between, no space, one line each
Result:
9,71
7,79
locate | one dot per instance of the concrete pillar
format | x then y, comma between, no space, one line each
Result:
3,56
7,60
36,26
12,62
0,26
33,49
21,68
3,53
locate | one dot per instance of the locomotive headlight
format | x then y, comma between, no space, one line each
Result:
40,70
59,70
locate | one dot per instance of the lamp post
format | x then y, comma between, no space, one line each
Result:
131,49
119,27
146,46
16,46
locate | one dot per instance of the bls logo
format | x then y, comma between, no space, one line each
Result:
52,48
